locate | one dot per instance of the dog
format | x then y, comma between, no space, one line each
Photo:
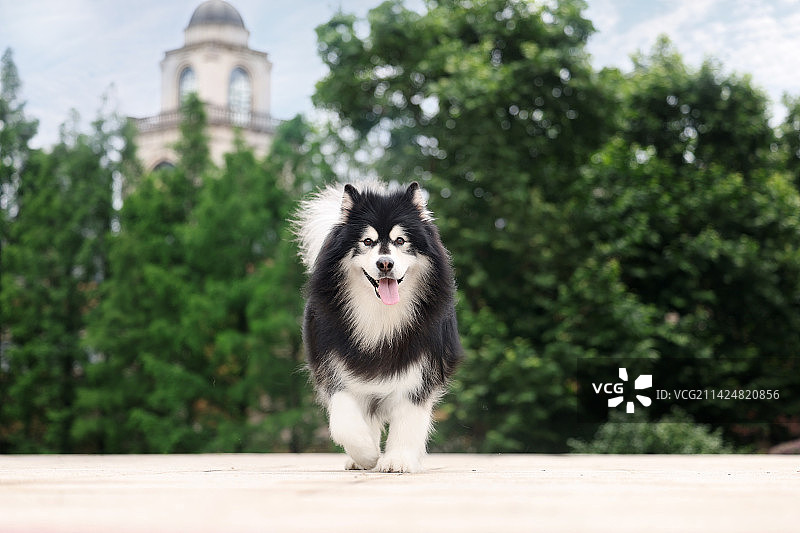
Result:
379,326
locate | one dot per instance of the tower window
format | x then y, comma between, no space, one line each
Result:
240,95
187,84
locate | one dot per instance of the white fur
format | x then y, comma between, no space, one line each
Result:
409,426
316,217
352,430
402,384
373,321
353,427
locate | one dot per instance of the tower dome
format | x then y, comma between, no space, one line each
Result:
216,12
217,21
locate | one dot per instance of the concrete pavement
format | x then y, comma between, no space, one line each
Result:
486,493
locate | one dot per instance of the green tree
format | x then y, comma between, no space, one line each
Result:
247,306
16,130
197,336
244,311
494,105
53,260
701,221
712,257
700,116
192,147
788,133
144,380
301,157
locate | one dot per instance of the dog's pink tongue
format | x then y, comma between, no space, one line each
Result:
387,290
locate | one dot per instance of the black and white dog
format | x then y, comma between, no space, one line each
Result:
380,328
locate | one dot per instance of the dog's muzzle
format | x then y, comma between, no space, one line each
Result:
386,288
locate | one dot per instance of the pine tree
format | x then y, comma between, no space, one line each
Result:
53,260
197,337
143,380
16,130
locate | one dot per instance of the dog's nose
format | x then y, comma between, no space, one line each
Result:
385,264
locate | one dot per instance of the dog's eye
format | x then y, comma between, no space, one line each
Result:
399,241
368,242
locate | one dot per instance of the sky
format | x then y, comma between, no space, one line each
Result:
70,53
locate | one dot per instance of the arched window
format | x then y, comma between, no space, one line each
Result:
240,94
164,165
187,84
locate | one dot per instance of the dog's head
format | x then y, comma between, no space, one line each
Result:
388,235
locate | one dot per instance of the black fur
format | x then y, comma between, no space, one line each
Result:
432,337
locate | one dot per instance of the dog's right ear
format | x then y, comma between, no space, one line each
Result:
415,196
349,199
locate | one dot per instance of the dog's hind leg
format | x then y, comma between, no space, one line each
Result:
351,429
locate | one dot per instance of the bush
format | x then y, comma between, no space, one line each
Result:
673,433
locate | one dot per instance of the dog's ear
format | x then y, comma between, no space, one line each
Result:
349,199
415,195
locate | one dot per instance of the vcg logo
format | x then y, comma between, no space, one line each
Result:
645,381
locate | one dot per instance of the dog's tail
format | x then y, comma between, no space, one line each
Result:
315,218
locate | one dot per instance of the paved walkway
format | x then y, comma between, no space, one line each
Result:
509,493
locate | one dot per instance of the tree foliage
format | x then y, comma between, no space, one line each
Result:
16,130
699,116
197,336
56,214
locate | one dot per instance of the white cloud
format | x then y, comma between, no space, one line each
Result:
682,20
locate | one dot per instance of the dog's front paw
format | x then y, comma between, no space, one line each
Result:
399,464
352,465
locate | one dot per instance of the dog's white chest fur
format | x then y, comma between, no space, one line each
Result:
393,388
371,321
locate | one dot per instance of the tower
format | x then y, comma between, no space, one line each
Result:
232,81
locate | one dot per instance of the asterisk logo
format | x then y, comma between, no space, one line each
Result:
645,381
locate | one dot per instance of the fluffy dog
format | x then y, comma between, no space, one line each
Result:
380,327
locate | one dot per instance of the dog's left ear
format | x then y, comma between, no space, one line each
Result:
415,195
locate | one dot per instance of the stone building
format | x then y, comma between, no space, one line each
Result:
232,80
